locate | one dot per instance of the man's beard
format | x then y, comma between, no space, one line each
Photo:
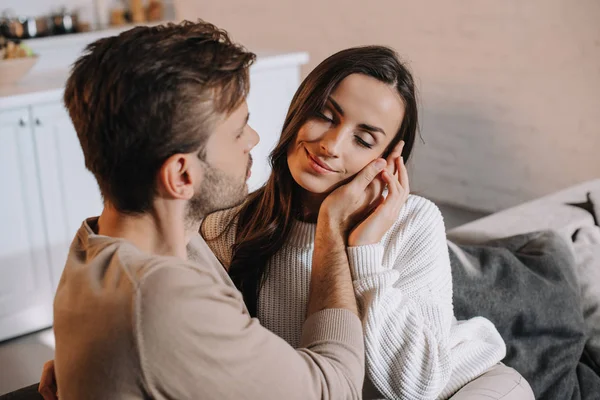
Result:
217,191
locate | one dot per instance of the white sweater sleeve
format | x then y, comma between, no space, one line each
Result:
404,289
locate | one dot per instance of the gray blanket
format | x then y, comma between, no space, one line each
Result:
526,286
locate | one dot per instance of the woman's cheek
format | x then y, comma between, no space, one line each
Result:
357,166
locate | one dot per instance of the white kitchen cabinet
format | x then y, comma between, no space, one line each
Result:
271,91
25,281
69,191
47,192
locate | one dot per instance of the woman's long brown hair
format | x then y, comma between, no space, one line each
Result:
265,218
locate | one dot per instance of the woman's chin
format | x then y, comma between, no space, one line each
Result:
315,185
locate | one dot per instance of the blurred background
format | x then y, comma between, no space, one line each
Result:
510,90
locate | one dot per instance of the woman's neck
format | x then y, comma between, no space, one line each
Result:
310,203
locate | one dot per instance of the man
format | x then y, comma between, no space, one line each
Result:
143,308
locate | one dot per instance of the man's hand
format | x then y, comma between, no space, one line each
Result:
48,388
331,282
347,205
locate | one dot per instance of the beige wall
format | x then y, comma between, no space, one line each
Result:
510,89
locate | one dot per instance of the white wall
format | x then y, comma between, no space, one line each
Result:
510,89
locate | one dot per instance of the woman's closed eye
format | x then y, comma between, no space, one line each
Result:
325,116
364,141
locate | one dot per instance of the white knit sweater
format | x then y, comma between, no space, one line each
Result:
415,347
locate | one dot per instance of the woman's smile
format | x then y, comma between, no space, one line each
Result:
317,165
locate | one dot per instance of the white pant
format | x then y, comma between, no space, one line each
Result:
499,382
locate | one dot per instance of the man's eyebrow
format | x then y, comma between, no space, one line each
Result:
245,121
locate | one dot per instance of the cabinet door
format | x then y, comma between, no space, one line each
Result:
70,193
271,91
25,285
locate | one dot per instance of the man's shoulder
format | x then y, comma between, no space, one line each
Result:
181,296
174,270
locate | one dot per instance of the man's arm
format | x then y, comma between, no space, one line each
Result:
196,340
331,280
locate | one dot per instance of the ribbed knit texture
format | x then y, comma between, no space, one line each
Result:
415,348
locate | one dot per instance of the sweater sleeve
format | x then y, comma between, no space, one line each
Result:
196,340
404,289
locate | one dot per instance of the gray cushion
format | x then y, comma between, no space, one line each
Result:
527,287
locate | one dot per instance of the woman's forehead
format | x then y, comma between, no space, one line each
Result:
370,101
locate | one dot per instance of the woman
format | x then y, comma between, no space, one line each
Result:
356,106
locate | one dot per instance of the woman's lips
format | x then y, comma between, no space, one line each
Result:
317,165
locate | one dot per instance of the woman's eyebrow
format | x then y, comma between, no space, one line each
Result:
366,127
371,128
337,107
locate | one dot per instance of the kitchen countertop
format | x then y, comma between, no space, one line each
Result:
49,86
40,88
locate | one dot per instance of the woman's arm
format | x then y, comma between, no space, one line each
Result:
404,289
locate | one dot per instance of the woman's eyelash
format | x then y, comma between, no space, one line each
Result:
361,142
322,116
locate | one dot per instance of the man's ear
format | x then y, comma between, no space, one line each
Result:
179,175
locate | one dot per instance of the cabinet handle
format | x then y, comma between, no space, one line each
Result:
22,122
38,122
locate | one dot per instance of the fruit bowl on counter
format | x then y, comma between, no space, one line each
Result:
16,60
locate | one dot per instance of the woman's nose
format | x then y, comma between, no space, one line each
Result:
331,143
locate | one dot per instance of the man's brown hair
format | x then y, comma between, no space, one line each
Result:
138,98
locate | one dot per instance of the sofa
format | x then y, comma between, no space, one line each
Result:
534,270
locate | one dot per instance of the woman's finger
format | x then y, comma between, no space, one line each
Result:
403,174
398,148
397,193
395,153
387,209
393,187
394,195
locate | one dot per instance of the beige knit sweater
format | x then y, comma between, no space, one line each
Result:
131,325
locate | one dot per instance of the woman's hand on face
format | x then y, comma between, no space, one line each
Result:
347,205
384,211
378,186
